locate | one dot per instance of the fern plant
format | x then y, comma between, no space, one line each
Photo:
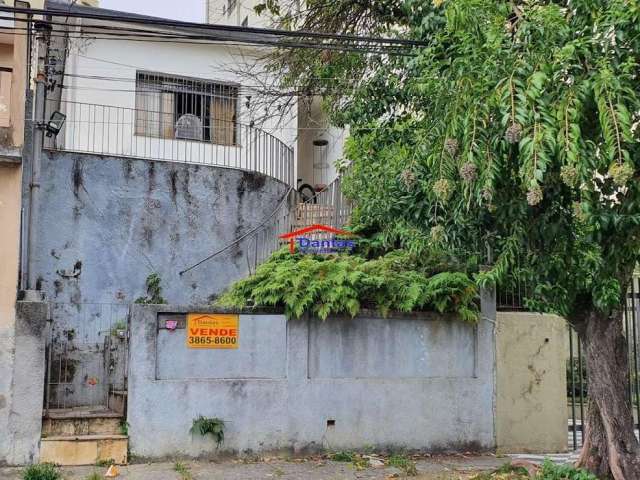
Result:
209,426
345,284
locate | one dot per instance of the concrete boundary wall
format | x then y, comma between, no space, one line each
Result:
20,442
531,383
423,382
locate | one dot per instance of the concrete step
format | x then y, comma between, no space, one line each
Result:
69,450
82,421
81,426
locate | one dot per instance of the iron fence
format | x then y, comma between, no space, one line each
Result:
327,207
159,135
86,354
576,368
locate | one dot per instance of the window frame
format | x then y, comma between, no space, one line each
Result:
209,83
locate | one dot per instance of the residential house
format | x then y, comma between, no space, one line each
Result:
319,144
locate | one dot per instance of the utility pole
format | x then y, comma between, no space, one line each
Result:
43,34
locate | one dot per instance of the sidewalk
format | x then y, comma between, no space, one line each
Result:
430,468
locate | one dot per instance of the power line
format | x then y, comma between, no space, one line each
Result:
139,19
138,35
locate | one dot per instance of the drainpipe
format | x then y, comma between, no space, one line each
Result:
36,153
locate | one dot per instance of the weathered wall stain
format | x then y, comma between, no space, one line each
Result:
142,217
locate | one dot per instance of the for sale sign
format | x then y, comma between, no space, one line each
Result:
212,330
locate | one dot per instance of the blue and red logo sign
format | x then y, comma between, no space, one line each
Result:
320,239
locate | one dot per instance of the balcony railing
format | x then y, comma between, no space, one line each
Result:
329,207
112,130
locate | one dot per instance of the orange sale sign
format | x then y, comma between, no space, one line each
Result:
212,330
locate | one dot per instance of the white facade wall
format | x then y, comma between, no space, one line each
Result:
100,101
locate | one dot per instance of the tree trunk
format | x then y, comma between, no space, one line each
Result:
610,448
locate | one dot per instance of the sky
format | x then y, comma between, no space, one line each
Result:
188,10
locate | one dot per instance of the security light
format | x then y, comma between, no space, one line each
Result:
55,123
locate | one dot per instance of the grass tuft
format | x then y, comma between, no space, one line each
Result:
42,471
406,465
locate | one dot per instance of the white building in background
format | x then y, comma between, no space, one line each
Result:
319,145
180,100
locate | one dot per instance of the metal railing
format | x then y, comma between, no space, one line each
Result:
86,354
131,132
328,207
576,368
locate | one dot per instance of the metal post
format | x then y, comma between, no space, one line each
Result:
36,156
573,391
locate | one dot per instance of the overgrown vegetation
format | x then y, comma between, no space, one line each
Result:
119,326
326,285
548,471
183,470
154,291
551,471
514,126
403,463
93,476
358,461
209,426
42,471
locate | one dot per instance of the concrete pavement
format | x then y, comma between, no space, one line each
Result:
315,468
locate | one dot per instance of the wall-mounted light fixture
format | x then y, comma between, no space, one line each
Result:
55,123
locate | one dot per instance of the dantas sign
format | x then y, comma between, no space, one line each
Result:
320,239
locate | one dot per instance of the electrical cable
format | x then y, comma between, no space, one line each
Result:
83,13
242,237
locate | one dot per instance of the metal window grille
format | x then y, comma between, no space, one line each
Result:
185,108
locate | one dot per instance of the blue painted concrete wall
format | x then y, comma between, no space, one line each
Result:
419,382
107,223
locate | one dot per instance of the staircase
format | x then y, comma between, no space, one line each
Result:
83,436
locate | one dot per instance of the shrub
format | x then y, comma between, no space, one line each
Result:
551,471
205,426
342,457
407,466
323,285
43,471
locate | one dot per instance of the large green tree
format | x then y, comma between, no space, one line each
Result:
512,129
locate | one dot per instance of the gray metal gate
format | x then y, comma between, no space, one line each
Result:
577,386
87,351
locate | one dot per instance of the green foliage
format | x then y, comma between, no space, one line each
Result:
515,127
105,462
325,285
123,426
42,471
183,470
406,465
94,476
120,325
355,459
209,426
551,471
342,456
154,291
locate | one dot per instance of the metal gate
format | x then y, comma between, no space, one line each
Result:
87,353
577,385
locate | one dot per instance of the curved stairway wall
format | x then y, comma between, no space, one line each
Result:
106,223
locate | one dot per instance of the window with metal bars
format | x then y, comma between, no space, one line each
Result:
186,108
